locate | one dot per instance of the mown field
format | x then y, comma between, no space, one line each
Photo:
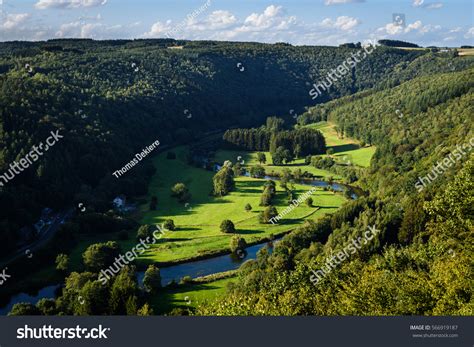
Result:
198,221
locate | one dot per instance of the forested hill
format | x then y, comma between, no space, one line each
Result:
110,99
420,261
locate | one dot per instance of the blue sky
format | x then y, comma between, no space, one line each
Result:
300,22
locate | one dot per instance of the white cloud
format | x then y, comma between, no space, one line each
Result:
416,27
342,23
95,30
273,24
45,4
271,17
336,2
470,33
434,5
429,6
14,20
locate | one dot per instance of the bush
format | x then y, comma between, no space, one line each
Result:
269,213
227,226
152,279
169,224
257,171
248,207
145,231
237,243
309,202
100,255
181,192
62,262
171,155
186,280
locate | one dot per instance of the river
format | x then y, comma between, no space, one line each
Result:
176,272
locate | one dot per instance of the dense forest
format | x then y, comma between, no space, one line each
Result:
301,142
420,263
111,99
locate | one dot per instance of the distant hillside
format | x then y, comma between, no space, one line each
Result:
397,43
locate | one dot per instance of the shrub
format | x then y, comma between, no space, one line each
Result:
186,280
152,279
257,171
145,231
269,213
181,192
227,226
237,243
62,262
169,224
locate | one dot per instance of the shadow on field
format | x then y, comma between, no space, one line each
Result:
247,231
344,148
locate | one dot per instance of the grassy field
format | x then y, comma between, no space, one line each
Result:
188,296
345,149
466,51
250,159
198,222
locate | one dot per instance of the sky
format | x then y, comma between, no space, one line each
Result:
299,22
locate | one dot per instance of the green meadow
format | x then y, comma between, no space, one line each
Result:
345,149
250,159
198,221
188,296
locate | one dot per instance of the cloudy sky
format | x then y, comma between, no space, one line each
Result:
300,22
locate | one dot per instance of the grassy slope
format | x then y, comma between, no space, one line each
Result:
346,149
188,296
198,223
